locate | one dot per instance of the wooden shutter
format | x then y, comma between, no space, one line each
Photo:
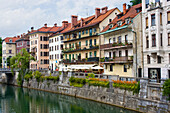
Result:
168,16
146,22
161,18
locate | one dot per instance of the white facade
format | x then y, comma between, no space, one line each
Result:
156,49
55,51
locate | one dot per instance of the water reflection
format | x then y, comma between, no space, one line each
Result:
23,100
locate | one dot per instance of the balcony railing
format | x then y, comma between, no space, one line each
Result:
116,46
122,59
87,60
155,5
78,48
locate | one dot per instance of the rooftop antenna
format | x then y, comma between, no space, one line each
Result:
87,11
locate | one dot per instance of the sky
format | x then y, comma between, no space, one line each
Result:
18,16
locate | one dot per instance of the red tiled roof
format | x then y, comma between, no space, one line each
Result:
92,21
13,39
130,13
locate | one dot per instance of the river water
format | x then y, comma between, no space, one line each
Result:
22,100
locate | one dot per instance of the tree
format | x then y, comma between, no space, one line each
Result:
8,61
166,88
135,2
21,63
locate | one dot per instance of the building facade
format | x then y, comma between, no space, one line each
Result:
23,42
39,46
8,50
121,44
156,38
81,41
56,47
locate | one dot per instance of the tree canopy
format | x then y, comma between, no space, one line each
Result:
21,63
135,2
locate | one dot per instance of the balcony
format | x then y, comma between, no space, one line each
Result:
122,59
153,6
82,48
115,46
81,61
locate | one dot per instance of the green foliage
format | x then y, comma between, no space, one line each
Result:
77,82
37,75
135,2
166,88
59,72
8,61
21,63
28,76
90,75
54,78
99,83
42,78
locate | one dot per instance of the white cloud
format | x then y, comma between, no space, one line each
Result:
17,16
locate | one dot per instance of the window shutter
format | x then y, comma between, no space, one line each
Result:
168,16
161,18
146,22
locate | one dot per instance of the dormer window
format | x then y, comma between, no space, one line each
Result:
127,21
110,26
119,23
10,40
138,10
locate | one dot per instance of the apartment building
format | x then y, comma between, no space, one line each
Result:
23,42
121,43
56,46
8,49
39,46
156,38
81,40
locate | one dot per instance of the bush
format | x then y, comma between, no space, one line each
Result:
54,78
28,76
99,83
77,82
90,75
166,88
37,75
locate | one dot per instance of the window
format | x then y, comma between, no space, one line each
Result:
94,41
55,48
109,40
114,40
86,55
110,20
10,40
119,39
148,59
86,42
161,43
111,67
120,53
10,51
73,45
28,43
126,53
73,56
79,44
169,58
83,32
55,40
125,69
41,54
41,46
126,38
159,60
95,54
168,15
157,1
94,30
69,45
80,34
161,18
110,54
146,22
40,38
65,56
168,39
147,42
90,54
61,37
87,31
52,40
154,40
147,3
114,54
153,20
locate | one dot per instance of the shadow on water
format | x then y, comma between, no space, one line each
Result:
23,100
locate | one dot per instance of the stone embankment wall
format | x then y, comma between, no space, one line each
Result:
113,96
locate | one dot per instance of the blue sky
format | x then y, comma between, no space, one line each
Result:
18,16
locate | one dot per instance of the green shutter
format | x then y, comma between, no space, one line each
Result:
79,44
65,56
94,53
86,42
72,56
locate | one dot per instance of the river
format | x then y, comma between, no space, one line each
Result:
22,100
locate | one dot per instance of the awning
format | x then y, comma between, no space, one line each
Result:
97,67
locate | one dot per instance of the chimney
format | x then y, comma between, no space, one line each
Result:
81,24
97,12
32,28
64,24
18,36
55,25
45,25
124,8
104,10
21,35
73,20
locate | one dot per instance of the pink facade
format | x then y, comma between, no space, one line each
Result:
22,43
